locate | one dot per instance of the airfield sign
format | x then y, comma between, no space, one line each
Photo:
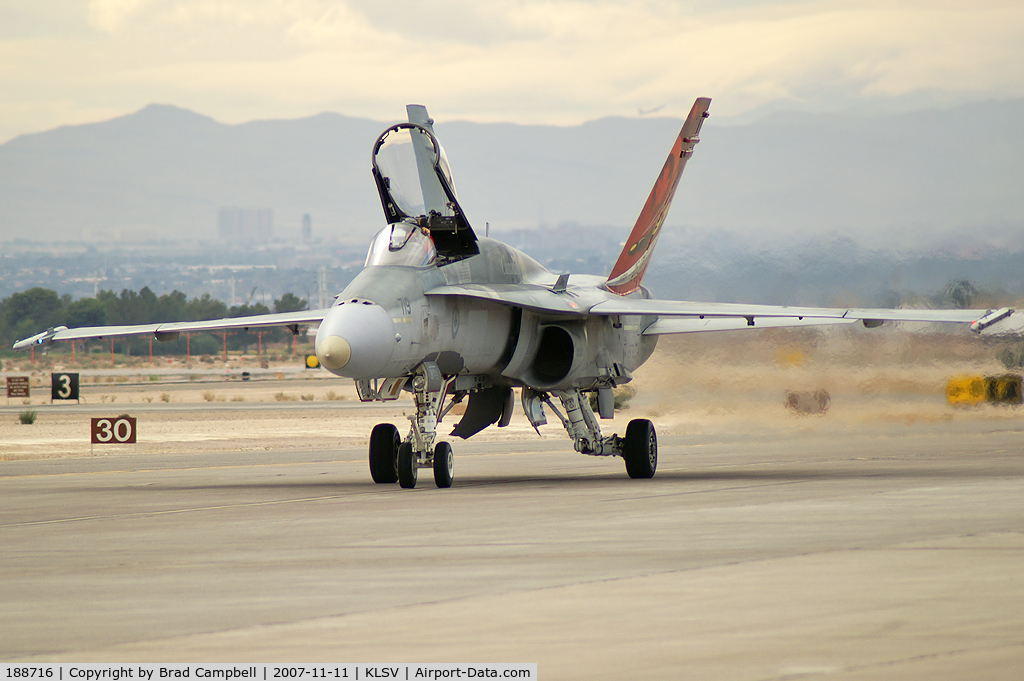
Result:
64,386
119,430
17,386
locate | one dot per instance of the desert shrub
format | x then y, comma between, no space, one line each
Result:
622,395
1012,358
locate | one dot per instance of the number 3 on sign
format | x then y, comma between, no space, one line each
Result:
64,386
119,430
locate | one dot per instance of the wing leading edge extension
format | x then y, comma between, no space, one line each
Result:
168,331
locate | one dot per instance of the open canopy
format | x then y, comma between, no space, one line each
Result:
416,187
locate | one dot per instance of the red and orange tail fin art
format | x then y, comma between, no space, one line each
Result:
629,269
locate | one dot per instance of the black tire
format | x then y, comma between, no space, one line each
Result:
384,441
640,449
444,465
407,466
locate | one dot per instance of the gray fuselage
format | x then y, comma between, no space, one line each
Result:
394,317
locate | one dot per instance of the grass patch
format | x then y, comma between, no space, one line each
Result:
284,397
28,417
165,397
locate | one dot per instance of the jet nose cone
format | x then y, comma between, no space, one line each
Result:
334,352
356,340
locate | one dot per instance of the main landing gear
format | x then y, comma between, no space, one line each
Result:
395,460
392,459
639,449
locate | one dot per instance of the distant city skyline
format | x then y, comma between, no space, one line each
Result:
559,62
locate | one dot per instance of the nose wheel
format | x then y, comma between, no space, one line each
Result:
442,461
444,465
408,466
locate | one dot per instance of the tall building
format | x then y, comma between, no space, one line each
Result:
245,225
264,225
307,228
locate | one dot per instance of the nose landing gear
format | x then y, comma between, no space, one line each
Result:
393,460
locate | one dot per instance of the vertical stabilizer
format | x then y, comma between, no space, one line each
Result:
629,269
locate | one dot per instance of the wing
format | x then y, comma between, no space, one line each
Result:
685,317
167,331
674,316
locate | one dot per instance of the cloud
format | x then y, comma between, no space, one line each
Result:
552,61
111,15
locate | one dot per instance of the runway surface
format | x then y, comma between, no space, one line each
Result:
890,554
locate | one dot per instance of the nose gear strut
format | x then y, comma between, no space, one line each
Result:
420,449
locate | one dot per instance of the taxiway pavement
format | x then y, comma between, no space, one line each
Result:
890,552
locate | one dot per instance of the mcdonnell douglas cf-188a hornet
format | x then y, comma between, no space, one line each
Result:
446,315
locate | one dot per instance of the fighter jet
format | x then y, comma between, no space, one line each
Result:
445,315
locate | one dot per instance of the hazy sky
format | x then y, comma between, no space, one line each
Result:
526,61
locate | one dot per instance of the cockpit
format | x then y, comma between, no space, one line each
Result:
402,244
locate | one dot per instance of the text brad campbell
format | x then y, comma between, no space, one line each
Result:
263,672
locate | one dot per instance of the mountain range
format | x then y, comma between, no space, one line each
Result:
914,181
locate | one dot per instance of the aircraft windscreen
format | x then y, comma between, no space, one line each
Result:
406,159
401,244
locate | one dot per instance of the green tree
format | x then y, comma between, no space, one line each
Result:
85,312
205,307
170,307
129,307
40,305
289,302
